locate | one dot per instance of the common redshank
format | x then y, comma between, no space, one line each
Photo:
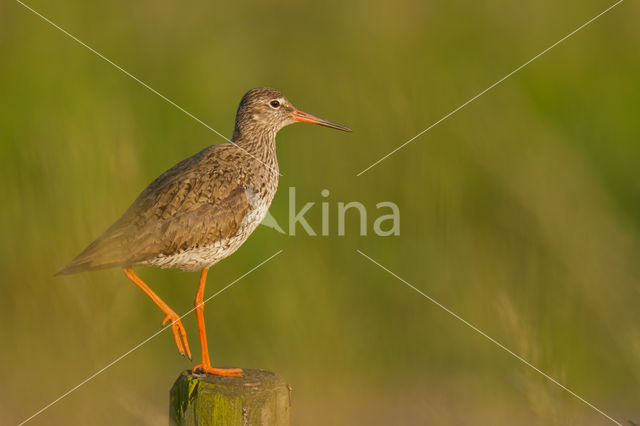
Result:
201,210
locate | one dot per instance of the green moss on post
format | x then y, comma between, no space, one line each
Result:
259,397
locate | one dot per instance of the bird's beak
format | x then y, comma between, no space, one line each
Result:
298,115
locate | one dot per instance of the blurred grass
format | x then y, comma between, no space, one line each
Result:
521,212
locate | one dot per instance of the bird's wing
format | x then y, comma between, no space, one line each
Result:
195,203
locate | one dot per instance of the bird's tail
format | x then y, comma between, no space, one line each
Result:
105,252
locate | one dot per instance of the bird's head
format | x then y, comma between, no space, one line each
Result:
267,110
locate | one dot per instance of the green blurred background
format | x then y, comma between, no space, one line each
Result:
521,212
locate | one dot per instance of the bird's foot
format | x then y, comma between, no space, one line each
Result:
228,372
179,333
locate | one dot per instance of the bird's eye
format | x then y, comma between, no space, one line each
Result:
274,104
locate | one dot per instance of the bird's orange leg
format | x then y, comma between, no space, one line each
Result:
179,333
205,366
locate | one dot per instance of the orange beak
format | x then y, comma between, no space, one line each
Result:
308,118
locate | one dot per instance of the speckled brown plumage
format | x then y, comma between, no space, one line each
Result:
207,204
201,210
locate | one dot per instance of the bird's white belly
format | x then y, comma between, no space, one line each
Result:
197,258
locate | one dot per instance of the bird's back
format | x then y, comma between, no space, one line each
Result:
191,216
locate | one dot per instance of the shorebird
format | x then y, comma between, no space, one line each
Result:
201,210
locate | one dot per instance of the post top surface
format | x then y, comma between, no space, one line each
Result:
252,381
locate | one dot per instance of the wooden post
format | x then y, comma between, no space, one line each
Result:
259,397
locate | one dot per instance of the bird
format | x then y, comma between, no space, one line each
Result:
201,210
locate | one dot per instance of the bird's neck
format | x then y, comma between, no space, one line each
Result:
258,144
